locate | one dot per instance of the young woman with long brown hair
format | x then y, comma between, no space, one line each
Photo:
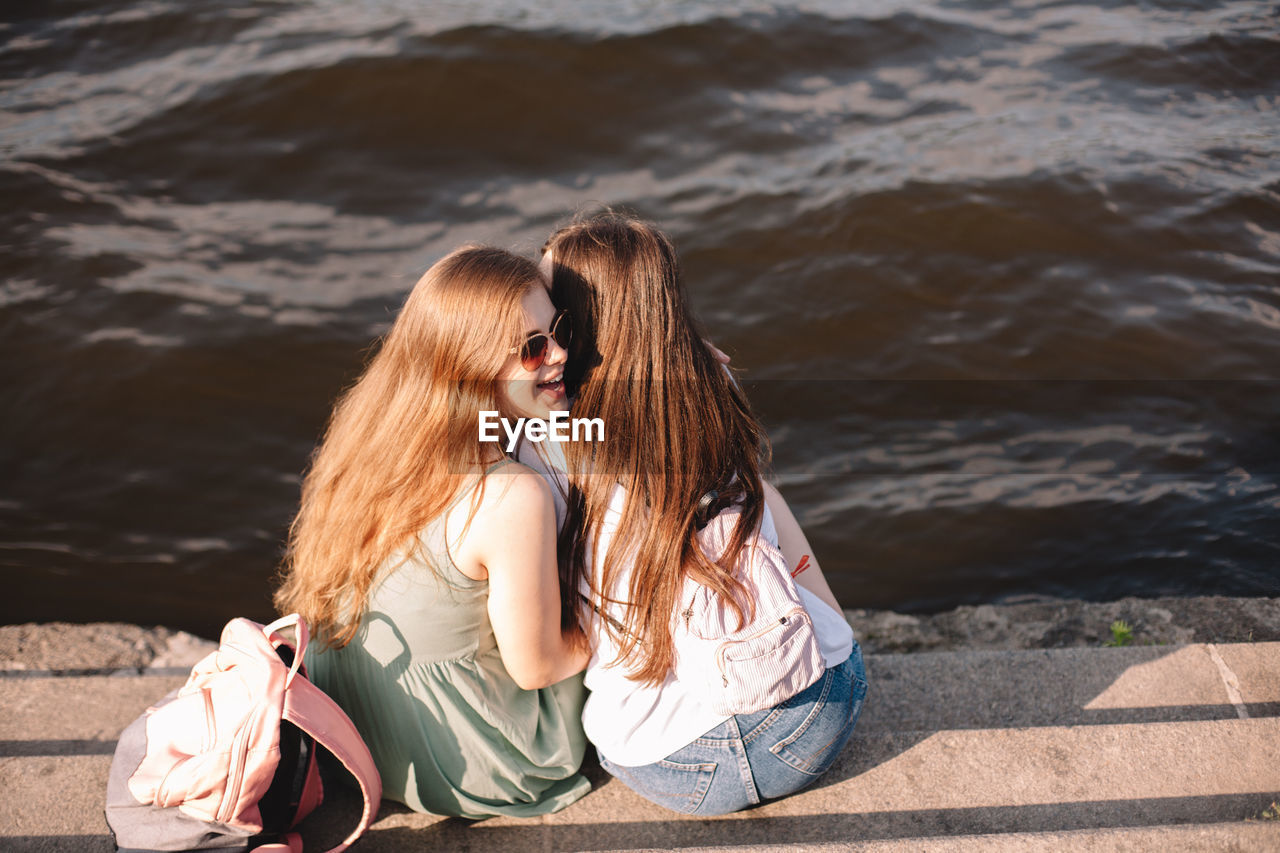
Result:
677,428
425,560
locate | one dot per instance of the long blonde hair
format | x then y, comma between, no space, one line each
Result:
404,439
678,427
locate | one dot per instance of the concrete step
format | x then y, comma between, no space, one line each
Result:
931,691
1077,686
1028,746
1205,837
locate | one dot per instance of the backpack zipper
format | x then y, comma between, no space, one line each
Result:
724,647
211,725
239,757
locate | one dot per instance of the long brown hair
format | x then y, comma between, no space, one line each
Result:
404,439
676,427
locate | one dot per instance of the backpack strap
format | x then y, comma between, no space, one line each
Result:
310,709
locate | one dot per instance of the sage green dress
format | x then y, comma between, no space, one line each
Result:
449,730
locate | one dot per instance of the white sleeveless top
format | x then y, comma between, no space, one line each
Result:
633,724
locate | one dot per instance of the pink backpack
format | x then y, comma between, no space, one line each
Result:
228,761
739,669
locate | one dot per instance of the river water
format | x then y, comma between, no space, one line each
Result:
1004,277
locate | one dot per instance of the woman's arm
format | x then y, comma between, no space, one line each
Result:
514,540
791,539
795,547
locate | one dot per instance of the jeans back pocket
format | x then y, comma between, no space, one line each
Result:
679,787
813,746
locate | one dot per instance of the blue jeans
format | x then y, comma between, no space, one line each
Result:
759,756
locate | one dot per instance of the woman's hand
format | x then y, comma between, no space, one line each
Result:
513,538
716,353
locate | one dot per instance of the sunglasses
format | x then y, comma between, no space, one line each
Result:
534,352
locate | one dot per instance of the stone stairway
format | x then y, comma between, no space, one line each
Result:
1139,748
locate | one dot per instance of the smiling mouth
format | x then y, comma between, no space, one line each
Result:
555,386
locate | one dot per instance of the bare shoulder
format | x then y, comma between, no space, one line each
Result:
514,506
513,489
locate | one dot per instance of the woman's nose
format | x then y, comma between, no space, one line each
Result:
556,354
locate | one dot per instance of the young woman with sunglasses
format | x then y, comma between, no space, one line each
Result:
680,428
425,560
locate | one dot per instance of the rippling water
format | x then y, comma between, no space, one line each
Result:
1005,277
